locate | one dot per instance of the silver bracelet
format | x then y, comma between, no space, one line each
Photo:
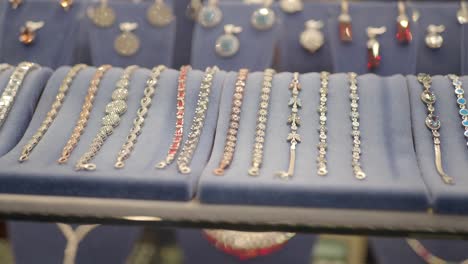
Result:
114,110
356,133
190,145
8,96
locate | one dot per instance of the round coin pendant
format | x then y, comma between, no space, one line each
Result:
210,16
160,14
263,18
127,44
227,45
102,16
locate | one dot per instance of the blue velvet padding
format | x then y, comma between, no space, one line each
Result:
197,249
464,52
157,44
396,250
139,179
256,50
23,107
445,198
393,179
396,58
292,56
45,243
447,59
55,42
184,31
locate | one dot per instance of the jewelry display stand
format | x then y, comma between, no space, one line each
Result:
157,44
204,40
45,243
23,107
139,179
54,44
445,198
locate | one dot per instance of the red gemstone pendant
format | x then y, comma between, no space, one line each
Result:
373,59
346,31
403,34
373,47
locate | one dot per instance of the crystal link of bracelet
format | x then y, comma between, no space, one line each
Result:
356,133
262,119
53,112
4,67
7,99
84,114
322,169
180,115
190,145
433,123
114,110
461,101
231,138
145,103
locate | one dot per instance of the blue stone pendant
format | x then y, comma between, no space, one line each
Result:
227,45
263,18
210,15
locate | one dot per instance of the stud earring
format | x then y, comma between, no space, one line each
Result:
102,15
373,47
264,17
28,31
66,4
434,39
462,14
291,6
127,43
160,14
15,3
403,35
210,15
312,38
345,27
228,44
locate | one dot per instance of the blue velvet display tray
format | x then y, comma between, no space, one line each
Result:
45,243
255,55
157,44
139,179
55,43
393,177
445,198
23,108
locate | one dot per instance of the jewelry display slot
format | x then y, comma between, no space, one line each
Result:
450,199
156,44
27,235
436,14
393,179
23,108
184,33
41,174
464,51
54,44
292,56
250,39
396,58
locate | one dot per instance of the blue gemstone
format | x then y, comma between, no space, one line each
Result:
465,123
459,91
466,133
461,101
464,112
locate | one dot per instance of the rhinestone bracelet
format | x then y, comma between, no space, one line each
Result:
356,134
461,101
84,114
231,138
114,110
53,112
190,145
433,123
262,118
294,121
145,103
179,127
322,146
7,99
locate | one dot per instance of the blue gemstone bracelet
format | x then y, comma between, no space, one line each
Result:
461,101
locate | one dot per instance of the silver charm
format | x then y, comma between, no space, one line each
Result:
264,17
433,38
160,14
228,44
312,38
462,14
102,15
127,43
291,6
210,15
